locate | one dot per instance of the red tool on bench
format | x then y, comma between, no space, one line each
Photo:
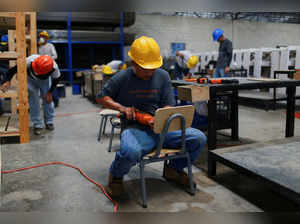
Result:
213,81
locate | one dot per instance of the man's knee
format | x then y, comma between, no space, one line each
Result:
129,150
195,137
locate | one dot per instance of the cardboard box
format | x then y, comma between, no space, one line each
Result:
297,75
193,93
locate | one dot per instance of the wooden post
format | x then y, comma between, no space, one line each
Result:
22,77
33,41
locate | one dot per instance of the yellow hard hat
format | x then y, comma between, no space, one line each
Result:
107,70
146,53
44,34
123,67
95,67
192,61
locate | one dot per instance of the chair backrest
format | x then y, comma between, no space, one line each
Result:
163,114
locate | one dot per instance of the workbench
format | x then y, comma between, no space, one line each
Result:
244,84
275,163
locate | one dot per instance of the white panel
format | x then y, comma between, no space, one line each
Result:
239,59
257,63
284,59
297,62
246,60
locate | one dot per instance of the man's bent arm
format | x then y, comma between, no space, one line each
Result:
108,102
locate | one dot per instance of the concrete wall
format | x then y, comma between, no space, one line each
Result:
196,32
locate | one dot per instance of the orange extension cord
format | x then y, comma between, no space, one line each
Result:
68,165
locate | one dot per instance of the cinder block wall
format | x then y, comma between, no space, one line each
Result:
196,32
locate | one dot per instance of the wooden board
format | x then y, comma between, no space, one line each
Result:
3,123
13,124
262,79
33,34
8,55
193,93
22,78
9,94
9,126
297,76
8,14
164,152
163,114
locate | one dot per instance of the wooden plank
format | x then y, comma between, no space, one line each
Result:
8,55
8,14
193,93
9,94
10,134
7,23
3,122
33,34
163,114
164,152
297,76
22,78
13,124
13,105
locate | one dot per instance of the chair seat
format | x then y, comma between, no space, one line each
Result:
164,152
108,112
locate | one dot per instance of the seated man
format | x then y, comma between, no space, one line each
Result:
144,87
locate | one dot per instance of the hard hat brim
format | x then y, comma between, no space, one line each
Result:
150,65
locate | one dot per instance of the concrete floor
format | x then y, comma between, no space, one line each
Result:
74,141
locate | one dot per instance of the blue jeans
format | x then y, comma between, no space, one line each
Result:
34,88
136,143
220,72
55,96
179,71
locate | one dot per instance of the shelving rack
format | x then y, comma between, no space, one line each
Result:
17,24
69,70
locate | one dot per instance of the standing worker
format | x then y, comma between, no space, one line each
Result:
184,62
46,48
39,69
145,87
117,65
225,53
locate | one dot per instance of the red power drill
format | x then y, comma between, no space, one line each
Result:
141,117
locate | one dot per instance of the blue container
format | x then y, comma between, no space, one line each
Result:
76,90
61,91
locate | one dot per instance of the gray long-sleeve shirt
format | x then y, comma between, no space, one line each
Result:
225,54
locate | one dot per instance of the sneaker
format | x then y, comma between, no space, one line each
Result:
115,186
37,131
181,178
50,127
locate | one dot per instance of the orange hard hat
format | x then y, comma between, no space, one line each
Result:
42,65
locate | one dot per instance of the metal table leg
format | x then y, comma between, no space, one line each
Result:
235,116
212,131
290,112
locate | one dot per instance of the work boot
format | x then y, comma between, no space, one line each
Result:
181,178
115,186
50,127
37,131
